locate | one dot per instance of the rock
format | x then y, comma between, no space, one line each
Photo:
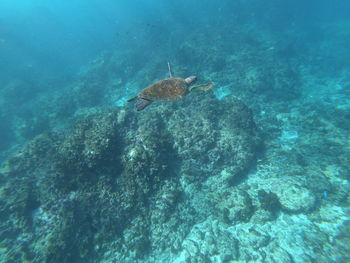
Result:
279,255
235,206
252,244
262,216
268,201
296,199
211,241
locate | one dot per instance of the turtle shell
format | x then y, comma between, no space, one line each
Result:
166,89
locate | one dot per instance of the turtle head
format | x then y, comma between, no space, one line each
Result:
190,80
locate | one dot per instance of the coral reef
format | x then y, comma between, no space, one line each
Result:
119,179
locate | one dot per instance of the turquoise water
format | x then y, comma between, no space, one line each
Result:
255,169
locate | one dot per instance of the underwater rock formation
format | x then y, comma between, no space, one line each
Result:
296,199
118,184
209,242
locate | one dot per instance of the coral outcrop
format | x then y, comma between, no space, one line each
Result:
120,179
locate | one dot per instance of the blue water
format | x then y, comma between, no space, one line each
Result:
254,170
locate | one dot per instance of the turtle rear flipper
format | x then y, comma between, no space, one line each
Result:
203,87
132,99
142,103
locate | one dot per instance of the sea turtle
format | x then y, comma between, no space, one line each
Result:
167,89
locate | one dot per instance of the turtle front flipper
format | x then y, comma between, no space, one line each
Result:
142,103
203,87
